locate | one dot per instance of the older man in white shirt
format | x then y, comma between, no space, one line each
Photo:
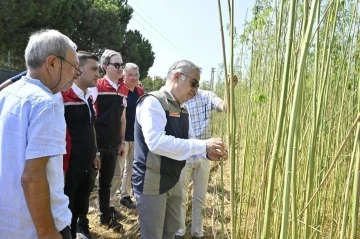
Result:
32,142
163,142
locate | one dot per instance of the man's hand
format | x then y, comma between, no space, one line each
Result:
37,195
54,235
215,157
235,80
97,163
121,150
215,149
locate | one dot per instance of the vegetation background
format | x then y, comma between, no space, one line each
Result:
295,165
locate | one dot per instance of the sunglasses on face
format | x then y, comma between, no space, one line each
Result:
118,65
194,82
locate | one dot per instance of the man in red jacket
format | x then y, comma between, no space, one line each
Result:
123,170
110,101
81,146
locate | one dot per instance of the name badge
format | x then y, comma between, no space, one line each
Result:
174,114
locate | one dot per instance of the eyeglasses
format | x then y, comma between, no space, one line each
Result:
131,75
194,82
118,65
79,71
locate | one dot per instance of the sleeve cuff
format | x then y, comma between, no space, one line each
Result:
198,146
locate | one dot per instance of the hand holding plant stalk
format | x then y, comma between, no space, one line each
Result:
215,149
235,80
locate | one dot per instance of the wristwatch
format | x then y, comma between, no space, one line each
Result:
97,153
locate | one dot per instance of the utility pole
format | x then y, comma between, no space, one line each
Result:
212,79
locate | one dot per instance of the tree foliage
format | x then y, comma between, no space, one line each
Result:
138,50
100,24
152,84
19,18
93,25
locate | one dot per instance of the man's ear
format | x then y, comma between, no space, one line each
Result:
176,76
51,63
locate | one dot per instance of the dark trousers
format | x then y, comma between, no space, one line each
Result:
77,188
83,220
108,157
94,174
65,233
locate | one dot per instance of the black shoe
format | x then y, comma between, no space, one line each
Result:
83,233
115,213
127,202
111,223
198,237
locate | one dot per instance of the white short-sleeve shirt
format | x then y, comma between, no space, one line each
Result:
32,125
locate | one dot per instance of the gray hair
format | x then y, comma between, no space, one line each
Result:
183,66
106,56
44,43
129,66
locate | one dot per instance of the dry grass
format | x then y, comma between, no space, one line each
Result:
212,219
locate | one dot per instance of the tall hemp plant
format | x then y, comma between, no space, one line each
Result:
294,149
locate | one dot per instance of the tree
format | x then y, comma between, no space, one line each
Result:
158,82
93,25
150,84
19,18
206,85
147,84
100,24
138,50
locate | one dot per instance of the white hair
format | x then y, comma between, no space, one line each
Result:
183,66
44,43
129,66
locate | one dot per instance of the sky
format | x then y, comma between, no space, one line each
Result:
186,29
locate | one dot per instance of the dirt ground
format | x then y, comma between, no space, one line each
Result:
212,212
